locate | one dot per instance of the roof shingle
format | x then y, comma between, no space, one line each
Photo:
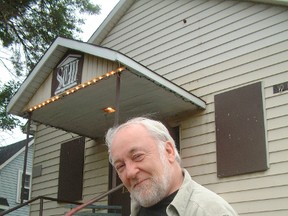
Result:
8,151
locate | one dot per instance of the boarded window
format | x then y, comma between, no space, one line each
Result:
240,131
71,170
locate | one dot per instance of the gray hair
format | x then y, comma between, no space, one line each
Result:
155,128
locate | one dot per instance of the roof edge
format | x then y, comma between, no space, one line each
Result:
101,52
162,81
66,43
32,75
273,2
15,155
108,24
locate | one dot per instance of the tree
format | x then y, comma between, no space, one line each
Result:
7,122
27,28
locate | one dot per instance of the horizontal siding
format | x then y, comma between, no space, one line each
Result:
95,67
95,171
47,152
9,180
181,38
43,93
206,86
224,45
252,62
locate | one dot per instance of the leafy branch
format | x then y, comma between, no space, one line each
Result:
27,29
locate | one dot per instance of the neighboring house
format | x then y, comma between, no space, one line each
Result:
214,71
11,170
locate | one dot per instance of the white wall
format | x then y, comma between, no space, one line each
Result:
223,45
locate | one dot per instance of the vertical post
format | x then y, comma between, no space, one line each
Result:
116,120
117,99
25,158
41,207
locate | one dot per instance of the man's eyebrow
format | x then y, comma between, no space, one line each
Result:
130,152
133,150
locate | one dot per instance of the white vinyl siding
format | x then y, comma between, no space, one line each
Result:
9,180
95,171
222,46
95,67
47,154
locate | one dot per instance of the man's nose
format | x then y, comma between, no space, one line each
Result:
131,170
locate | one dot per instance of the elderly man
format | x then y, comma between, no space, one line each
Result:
146,160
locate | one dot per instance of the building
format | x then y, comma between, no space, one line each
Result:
214,71
11,170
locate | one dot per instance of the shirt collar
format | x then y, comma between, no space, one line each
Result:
180,202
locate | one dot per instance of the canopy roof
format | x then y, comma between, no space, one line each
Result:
142,92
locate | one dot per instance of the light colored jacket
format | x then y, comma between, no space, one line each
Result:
193,199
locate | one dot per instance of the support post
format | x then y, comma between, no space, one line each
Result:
116,120
41,207
117,99
25,158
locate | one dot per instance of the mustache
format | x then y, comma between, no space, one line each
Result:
138,182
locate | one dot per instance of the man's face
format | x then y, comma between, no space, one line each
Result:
142,167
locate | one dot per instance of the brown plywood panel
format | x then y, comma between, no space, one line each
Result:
71,170
240,131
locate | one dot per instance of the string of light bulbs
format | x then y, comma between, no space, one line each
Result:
76,88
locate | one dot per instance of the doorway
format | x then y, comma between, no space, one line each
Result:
120,197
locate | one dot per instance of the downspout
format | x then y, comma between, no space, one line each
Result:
25,158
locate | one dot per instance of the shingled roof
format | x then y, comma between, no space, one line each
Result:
3,202
6,152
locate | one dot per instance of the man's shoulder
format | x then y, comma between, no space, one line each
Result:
194,199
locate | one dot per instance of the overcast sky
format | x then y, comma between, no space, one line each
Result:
91,24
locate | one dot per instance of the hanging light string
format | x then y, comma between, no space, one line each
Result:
76,88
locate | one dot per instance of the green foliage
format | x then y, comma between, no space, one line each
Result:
7,121
27,28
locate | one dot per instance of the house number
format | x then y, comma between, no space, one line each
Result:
280,87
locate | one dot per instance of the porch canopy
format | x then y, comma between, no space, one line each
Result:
142,92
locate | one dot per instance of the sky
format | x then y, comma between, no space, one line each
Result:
91,24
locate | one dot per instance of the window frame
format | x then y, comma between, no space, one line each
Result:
19,185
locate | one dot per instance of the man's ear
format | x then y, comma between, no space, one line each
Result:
170,151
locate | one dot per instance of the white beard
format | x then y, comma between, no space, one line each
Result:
153,190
